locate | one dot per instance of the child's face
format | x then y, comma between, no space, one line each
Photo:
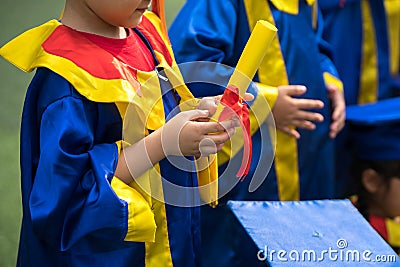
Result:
382,193
391,200
122,13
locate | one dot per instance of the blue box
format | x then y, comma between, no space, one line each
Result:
307,233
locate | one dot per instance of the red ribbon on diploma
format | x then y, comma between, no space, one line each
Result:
233,104
248,64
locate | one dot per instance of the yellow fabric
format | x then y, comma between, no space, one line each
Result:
270,93
314,5
151,102
392,8
368,91
286,166
292,7
330,79
311,2
208,179
158,253
272,71
141,222
23,59
393,229
287,6
139,208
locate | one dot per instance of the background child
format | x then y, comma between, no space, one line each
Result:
358,31
78,209
376,168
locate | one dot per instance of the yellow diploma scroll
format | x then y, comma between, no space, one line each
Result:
252,55
250,59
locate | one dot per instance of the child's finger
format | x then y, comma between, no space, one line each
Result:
221,137
194,114
293,90
309,116
304,103
231,123
304,124
248,97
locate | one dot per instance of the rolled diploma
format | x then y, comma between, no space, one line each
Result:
252,55
251,58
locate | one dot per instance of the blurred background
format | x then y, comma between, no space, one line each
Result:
16,16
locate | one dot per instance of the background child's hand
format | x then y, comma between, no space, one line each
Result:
290,111
186,135
338,107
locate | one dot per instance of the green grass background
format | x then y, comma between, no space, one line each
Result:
17,16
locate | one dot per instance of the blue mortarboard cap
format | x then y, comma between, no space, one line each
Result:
375,129
308,233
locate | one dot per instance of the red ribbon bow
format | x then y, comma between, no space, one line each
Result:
234,105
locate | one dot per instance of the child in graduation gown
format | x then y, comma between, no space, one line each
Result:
88,198
358,32
376,168
303,168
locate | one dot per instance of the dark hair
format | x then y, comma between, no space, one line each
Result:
387,169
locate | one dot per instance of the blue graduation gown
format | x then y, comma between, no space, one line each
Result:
75,212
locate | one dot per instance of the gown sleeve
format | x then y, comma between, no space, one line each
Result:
330,73
206,31
72,201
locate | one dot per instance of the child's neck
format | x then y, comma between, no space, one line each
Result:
90,23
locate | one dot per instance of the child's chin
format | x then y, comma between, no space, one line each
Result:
137,22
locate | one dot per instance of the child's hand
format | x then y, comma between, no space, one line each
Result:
211,103
184,135
338,110
290,111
